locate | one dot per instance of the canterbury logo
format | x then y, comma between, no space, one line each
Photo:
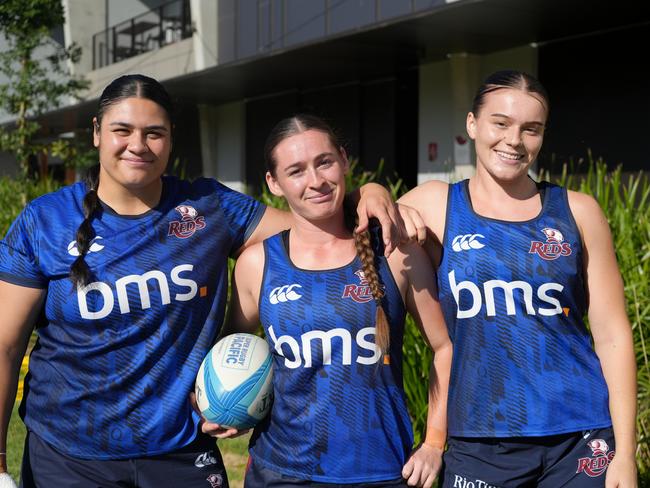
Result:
95,246
465,242
205,459
284,293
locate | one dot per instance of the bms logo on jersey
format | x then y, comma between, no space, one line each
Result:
298,351
108,291
472,297
553,248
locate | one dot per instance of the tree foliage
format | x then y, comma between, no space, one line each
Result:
36,70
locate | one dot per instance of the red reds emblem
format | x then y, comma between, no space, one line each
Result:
190,222
553,248
596,465
216,480
359,293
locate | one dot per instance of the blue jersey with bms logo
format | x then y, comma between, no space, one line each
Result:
513,296
339,413
115,361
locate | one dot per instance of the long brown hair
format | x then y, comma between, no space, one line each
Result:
301,123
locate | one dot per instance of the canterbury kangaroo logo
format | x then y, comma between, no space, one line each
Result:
284,294
205,459
465,242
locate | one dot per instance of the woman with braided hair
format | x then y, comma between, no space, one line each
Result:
333,310
130,272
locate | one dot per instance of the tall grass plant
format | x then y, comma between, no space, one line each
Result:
625,200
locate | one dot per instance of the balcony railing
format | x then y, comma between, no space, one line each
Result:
152,30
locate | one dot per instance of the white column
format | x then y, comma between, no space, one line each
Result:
465,78
206,32
222,143
83,19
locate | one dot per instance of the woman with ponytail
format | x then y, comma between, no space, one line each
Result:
128,271
537,397
333,309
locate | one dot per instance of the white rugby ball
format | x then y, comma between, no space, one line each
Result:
234,385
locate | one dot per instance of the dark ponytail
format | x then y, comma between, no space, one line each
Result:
509,79
80,273
127,86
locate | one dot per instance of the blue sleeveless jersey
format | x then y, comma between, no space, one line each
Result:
339,413
513,296
115,361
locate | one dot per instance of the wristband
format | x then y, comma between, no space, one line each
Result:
435,438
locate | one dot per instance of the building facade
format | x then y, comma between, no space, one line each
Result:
396,77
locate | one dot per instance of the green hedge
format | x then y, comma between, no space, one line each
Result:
625,202
14,194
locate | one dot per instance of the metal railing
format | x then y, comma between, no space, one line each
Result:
146,32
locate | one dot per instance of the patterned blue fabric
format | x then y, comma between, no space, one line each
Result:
114,364
339,413
513,296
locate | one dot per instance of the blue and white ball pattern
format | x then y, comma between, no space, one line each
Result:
234,386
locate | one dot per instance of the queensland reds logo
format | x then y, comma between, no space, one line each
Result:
190,222
360,293
215,480
553,248
596,465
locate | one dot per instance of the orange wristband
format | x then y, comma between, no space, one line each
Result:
435,438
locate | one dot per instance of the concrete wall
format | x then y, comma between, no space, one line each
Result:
84,19
222,143
162,64
205,19
8,165
447,89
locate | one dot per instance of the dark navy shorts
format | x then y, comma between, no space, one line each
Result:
198,464
576,460
257,476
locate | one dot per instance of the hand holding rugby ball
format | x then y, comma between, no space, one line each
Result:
234,385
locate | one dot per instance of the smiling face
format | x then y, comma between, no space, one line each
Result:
310,174
134,142
508,132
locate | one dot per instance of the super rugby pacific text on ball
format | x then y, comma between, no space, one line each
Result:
234,384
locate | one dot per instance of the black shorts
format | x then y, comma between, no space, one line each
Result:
575,460
198,464
257,476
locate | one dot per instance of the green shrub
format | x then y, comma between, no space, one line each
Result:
14,194
625,202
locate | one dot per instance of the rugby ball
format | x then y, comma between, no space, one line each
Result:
234,386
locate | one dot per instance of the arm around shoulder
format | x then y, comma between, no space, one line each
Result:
415,274
243,313
430,200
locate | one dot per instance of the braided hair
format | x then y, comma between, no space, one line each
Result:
301,123
127,86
